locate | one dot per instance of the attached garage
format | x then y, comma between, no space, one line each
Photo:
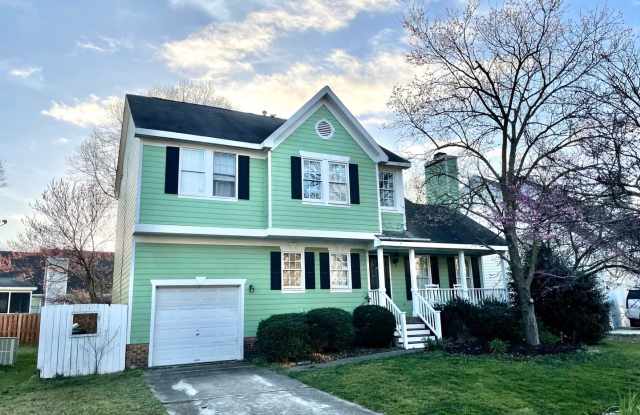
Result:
196,321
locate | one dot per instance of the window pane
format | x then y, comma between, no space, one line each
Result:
292,270
85,323
19,303
337,172
339,270
386,198
312,184
192,160
192,183
224,188
337,192
312,190
224,163
4,302
386,185
312,170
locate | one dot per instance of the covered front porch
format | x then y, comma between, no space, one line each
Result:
410,277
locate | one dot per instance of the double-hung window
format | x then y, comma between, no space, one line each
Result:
325,180
340,271
338,186
193,175
206,173
312,179
423,271
387,189
292,271
224,174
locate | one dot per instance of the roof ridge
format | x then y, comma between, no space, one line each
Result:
206,106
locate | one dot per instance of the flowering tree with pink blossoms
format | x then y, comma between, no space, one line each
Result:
509,90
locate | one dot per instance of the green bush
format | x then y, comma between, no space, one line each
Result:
497,346
283,337
462,320
330,329
374,326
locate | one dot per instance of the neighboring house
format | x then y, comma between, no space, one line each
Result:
226,218
30,280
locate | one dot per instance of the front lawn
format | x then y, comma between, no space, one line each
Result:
22,392
436,383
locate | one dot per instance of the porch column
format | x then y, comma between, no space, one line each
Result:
380,254
414,278
462,270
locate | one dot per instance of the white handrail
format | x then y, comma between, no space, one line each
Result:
428,314
379,297
473,295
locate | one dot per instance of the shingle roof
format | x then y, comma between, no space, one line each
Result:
441,224
204,120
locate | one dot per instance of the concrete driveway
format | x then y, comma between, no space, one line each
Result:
240,389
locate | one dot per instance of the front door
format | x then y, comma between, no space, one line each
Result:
373,274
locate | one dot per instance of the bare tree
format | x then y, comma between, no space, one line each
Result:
69,221
506,89
96,158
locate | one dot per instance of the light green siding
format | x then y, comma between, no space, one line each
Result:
392,221
292,213
158,261
399,286
159,208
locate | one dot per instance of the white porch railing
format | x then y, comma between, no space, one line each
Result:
379,297
437,295
427,313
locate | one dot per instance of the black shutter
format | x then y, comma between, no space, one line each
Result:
451,269
355,271
354,184
407,278
276,282
172,164
309,270
435,270
324,271
475,269
296,177
243,177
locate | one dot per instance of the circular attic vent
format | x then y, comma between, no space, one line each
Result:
324,129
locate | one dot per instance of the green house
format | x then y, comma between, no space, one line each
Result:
226,218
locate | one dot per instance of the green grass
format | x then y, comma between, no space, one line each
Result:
22,392
434,383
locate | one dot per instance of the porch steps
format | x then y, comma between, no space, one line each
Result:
417,334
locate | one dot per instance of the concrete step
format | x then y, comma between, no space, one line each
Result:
415,340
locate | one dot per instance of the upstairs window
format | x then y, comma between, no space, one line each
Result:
340,272
387,189
312,180
224,174
205,173
325,181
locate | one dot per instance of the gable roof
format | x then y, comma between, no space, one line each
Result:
441,224
203,120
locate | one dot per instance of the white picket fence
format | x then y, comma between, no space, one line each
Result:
61,353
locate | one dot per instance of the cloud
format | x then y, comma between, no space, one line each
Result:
104,44
25,72
61,141
92,112
214,8
364,84
223,49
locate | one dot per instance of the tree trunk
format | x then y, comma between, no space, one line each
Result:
528,316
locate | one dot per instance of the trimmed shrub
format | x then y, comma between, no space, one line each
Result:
497,346
462,320
330,329
374,326
283,337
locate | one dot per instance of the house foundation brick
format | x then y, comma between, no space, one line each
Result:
136,355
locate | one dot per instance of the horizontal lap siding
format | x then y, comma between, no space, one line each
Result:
293,213
159,208
399,286
392,221
164,261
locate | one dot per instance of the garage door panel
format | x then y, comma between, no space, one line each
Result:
197,324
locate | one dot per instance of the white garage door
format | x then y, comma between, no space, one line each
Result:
197,324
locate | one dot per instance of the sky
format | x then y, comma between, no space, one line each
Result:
63,62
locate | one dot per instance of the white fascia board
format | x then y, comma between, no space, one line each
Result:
340,111
148,133
321,156
199,281
148,229
18,289
433,245
397,164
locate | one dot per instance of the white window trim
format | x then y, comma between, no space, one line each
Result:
302,287
208,172
324,160
347,289
14,290
398,191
